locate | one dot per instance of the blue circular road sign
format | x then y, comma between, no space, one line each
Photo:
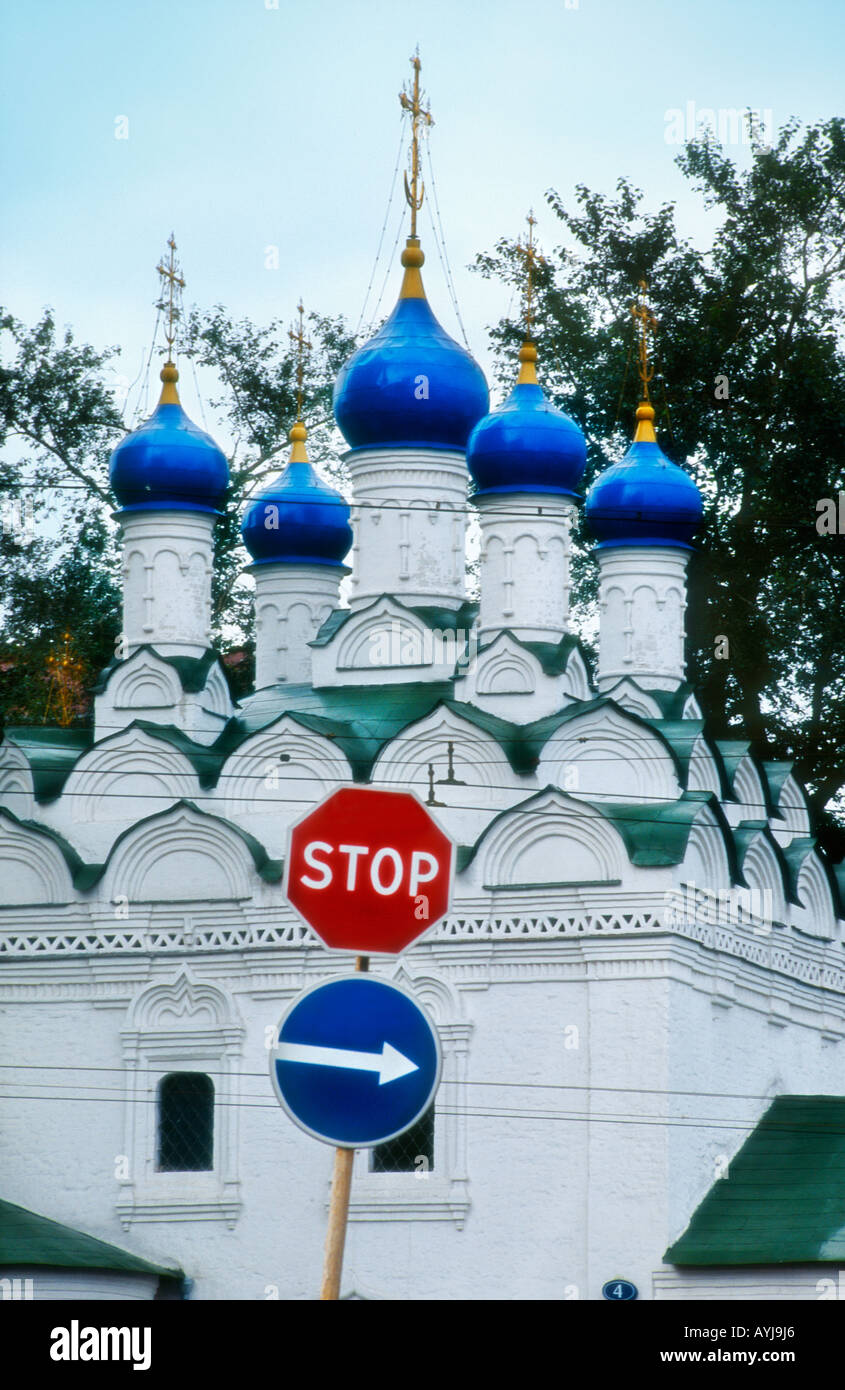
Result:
355,1061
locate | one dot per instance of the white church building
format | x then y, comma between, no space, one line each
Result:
640,984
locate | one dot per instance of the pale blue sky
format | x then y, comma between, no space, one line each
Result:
251,126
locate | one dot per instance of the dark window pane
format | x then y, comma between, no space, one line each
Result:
411,1152
185,1123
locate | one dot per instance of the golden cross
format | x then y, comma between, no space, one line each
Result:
420,120
648,324
302,344
532,258
171,274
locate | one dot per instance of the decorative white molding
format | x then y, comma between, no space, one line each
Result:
167,559
387,644
481,778
706,860
792,805
180,856
180,1025
524,564
277,774
33,869
815,914
443,1193
291,604
703,773
541,840
761,871
603,754
17,791
628,695
144,686
642,600
409,523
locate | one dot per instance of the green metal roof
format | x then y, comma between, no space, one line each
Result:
783,1198
838,871
655,835
85,876
52,754
552,656
191,670
437,618
776,775
29,1239
360,719
744,836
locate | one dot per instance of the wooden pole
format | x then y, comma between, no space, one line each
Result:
339,1206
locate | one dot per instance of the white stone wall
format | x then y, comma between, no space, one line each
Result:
291,604
524,576
642,601
607,1082
167,558
409,520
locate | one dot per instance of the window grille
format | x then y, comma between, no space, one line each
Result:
411,1152
185,1123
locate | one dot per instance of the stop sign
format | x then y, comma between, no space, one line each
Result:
369,870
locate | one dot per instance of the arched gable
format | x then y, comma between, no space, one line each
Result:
144,681
127,775
181,856
481,775
17,789
707,862
384,635
630,696
34,869
704,774
280,770
762,871
749,790
793,808
552,838
815,913
506,668
181,1003
606,753
576,677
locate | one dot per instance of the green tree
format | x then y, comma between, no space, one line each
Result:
750,395
58,559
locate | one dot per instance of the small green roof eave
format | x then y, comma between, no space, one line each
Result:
27,1239
52,754
191,670
655,835
782,1200
433,616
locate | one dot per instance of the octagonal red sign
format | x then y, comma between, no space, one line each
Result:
369,870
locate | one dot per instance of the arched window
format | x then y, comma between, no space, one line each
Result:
185,1123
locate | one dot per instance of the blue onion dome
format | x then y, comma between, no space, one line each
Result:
527,445
297,518
168,463
410,385
645,499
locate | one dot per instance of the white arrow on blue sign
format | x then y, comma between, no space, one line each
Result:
355,1061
